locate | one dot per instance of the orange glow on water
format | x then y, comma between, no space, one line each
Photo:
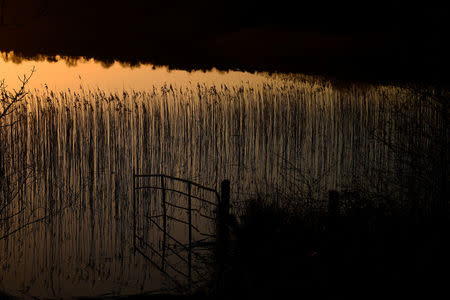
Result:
89,74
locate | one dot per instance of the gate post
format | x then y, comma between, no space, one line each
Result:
164,211
134,210
222,234
190,237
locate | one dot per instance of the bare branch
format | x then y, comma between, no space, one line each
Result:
9,100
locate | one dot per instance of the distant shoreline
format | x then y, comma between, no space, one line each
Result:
374,57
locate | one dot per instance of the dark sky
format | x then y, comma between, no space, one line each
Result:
329,16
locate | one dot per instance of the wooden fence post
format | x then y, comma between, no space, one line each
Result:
190,237
222,233
224,211
164,209
134,210
444,154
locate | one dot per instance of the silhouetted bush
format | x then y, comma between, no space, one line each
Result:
371,252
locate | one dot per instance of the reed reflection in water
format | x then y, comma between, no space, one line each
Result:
81,147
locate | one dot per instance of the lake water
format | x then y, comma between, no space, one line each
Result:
86,127
62,73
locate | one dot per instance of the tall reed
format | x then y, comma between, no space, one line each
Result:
284,131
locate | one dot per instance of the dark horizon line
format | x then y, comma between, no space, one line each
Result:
350,68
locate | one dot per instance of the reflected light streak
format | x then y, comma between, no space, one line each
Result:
64,74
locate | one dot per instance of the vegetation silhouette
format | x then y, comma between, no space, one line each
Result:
392,223
371,243
379,242
370,253
384,42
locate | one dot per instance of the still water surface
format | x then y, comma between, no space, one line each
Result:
85,128
62,73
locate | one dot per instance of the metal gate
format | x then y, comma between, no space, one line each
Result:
174,226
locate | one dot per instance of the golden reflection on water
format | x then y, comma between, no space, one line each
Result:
69,73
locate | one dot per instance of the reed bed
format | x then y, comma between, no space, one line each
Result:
283,133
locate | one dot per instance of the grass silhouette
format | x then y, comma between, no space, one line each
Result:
290,136
368,254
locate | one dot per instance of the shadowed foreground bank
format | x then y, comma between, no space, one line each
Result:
368,253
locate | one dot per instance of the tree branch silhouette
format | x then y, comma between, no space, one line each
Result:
9,100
